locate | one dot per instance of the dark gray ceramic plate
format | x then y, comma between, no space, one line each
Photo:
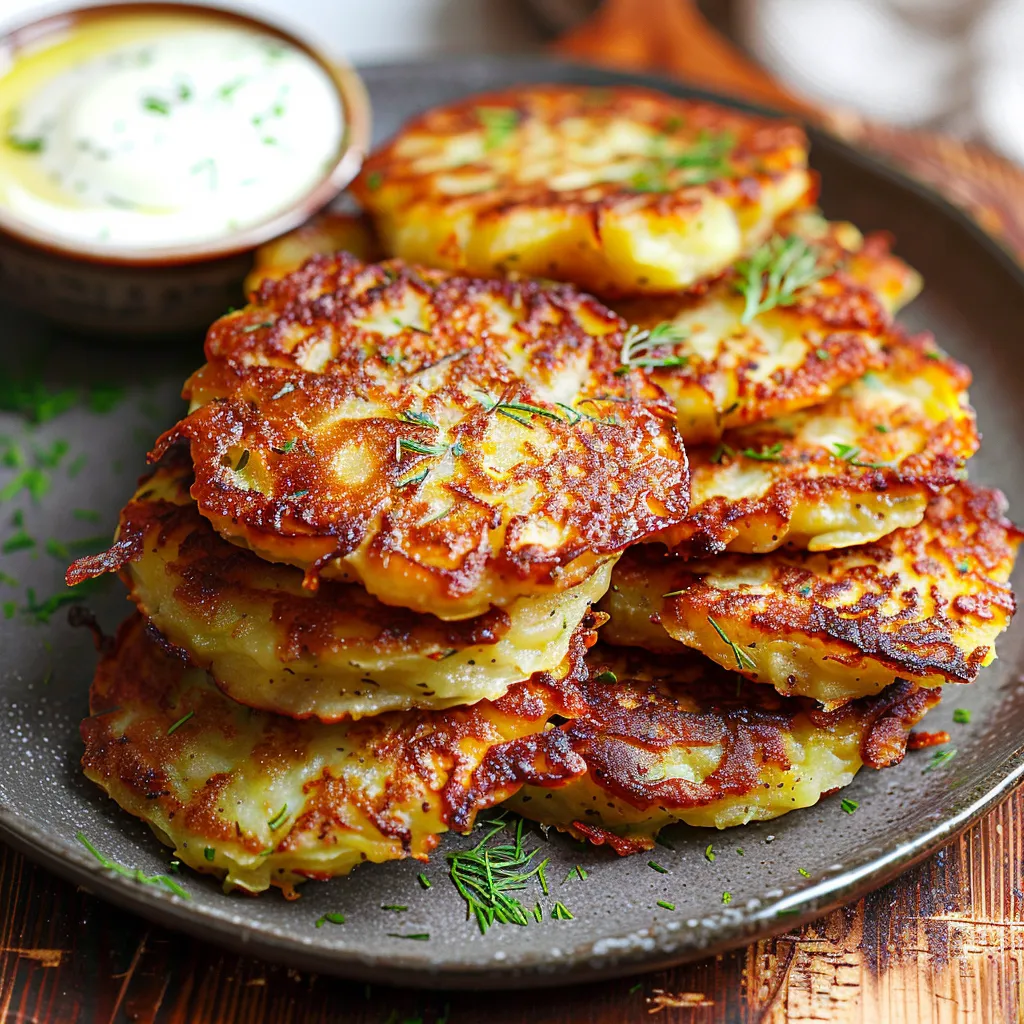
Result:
974,302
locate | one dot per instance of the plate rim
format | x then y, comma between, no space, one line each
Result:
67,861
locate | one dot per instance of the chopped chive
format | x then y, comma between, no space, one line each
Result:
416,936
848,806
743,660
136,874
657,867
804,872
398,907
560,912
666,905
179,723
278,819
424,881
332,918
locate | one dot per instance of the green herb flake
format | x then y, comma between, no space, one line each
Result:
209,853
332,918
560,912
666,905
155,105
26,143
848,806
940,757
278,819
655,866
775,275
709,854
424,881
606,677
248,329
499,125
962,716
743,660
19,541
579,872
179,723
652,349
772,453
727,897
134,873
416,936
399,907
804,872
41,611
104,398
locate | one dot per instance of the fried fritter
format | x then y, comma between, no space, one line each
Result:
337,653
725,364
621,191
848,471
680,739
925,603
450,444
257,799
326,233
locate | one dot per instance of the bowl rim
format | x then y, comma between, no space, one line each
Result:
355,144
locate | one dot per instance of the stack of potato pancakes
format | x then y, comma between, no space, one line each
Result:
428,538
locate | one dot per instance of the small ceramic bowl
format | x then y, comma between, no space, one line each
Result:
167,290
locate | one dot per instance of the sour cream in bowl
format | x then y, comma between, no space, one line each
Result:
163,135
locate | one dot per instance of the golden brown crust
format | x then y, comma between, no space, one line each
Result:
925,603
481,448
679,738
336,653
724,369
275,800
621,191
846,472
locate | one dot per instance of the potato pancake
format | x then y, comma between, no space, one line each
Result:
450,444
621,191
326,233
845,472
337,653
925,603
680,739
261,800
780,331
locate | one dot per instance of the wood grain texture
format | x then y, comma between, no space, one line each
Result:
943,943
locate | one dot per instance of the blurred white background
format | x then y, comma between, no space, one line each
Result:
951,65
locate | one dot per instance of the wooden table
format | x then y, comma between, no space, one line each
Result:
943,943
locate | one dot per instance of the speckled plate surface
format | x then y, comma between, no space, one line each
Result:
974,301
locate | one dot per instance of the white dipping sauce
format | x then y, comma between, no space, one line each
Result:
182,138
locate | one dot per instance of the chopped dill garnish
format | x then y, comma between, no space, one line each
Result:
743,660
135,873
499,124
486,875
704,161
772,453
941,757
179,723
332,918
651,349
775,273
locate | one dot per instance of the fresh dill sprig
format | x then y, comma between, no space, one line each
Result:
499,124
135,873
775,273
486,875
703,161
651,349
743,660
